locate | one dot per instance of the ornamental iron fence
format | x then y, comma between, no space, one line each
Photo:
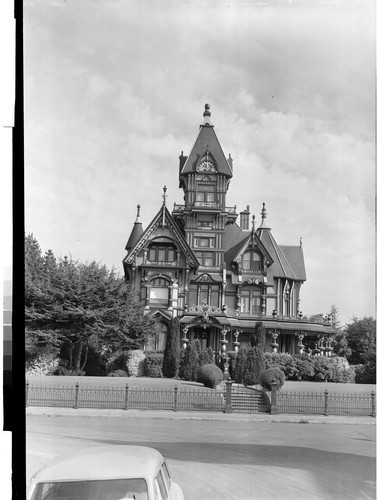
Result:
229,398
326,403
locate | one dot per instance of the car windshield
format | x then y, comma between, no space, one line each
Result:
110,489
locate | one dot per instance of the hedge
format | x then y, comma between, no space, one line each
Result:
153,363
316,368
135,363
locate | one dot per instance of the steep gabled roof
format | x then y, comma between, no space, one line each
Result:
207,141
295,257
286,264
164,217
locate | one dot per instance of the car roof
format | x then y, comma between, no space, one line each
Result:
102,462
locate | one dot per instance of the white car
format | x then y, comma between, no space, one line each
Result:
106,473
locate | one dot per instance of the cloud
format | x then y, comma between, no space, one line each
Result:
115,91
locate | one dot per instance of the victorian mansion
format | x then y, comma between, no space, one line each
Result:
216,270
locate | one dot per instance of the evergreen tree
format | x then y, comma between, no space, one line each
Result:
254,365
170,365
260,331
189,361
76,305
339,338
361,338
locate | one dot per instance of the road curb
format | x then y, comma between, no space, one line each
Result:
230,417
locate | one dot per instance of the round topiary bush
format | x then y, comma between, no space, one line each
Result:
210,375
118,373
270,376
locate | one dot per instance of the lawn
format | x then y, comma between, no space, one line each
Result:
144,382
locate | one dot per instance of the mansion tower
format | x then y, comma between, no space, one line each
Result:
216,270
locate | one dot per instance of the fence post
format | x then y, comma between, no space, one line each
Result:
228,396
326,412
373,396
27,392
274,406
76,395
125,407
175,406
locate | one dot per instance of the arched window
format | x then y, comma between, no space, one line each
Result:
251,261
159,292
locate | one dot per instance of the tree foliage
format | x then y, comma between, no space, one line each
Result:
340,344
361,338
70,305
170,364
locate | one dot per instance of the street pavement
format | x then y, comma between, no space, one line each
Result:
225,456
215,416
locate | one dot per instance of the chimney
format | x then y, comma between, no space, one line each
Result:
244,219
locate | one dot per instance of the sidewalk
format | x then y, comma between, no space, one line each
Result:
170,415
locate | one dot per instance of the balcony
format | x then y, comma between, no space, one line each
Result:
204,204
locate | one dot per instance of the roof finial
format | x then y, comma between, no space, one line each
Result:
138,214
207,116
207,112
264,216
300,241
253,222
164,196
264,211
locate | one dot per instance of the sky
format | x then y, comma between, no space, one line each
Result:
115,90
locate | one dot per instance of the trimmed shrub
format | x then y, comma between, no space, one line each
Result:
254,365
271,375
170,365
305,370
260,332
43,365
210,375
322,369
135,363
206,357
189,361
153,363
285,362
118,373
317,368
239,366
62,370
249,365
340,370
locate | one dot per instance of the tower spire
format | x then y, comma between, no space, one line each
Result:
136,232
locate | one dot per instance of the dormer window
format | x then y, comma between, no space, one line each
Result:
251,261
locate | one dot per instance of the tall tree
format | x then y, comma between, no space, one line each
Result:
361,338
75,305
170,365
339,338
